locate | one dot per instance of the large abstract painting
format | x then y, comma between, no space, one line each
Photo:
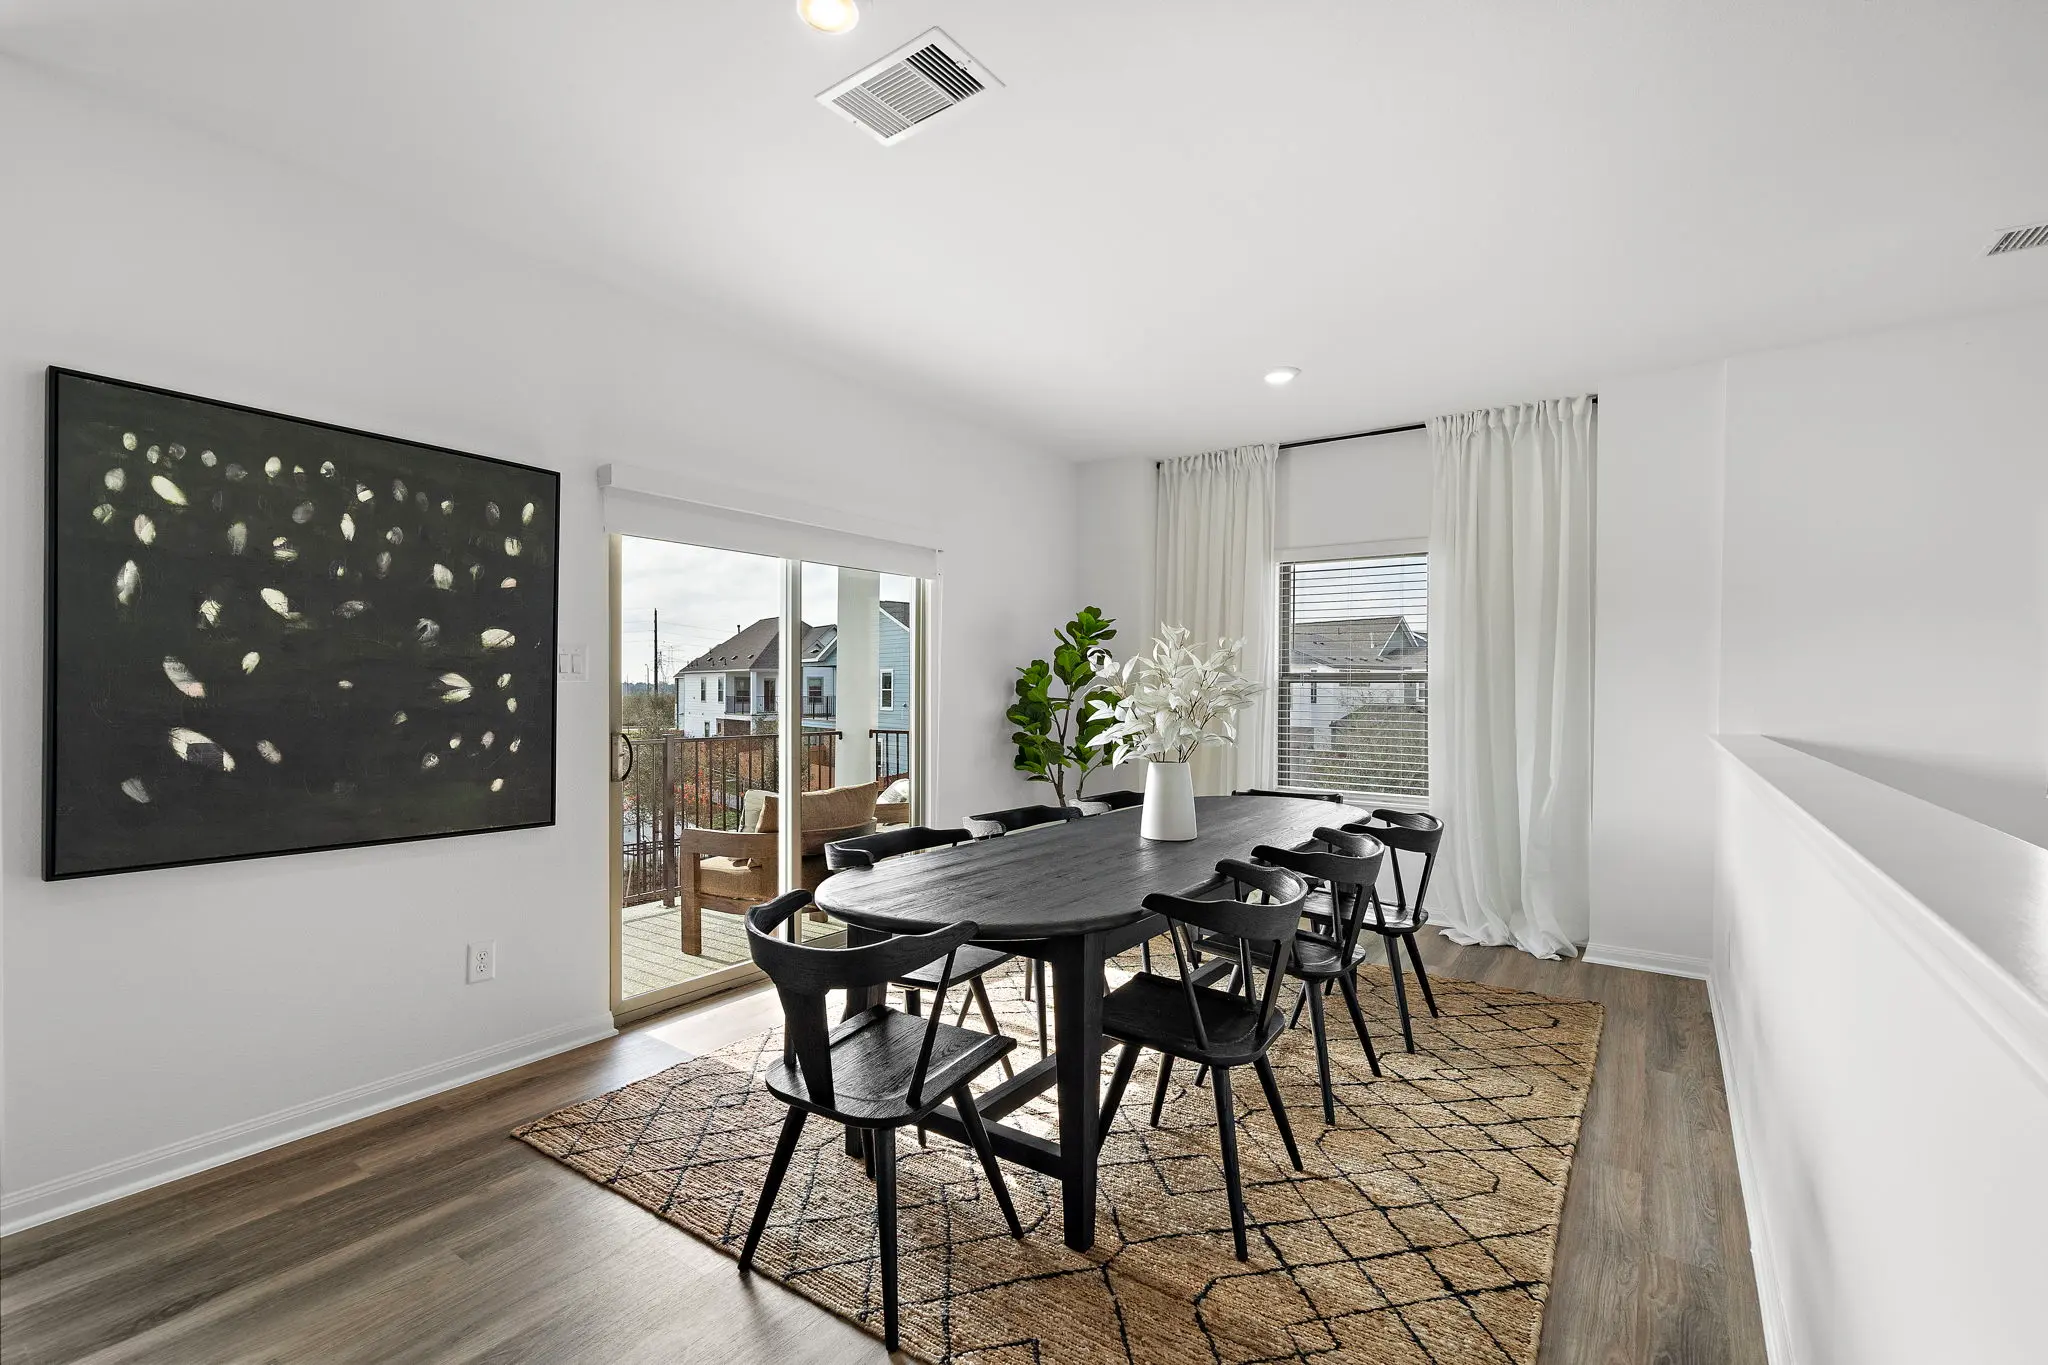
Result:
269,635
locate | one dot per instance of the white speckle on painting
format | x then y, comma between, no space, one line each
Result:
398,490
455,741
182,679
383,562
457,685
194,747
278,603
513,747
511,703
104,513
269,751
491,513
442,578
145,529
235,473
250,660
497,784
238,537
209,612
116,480
281,549
348,527
508,582
303,513
511,545
504,680
345,685
498,639
167,490
488,739
208,458
273,467
398,717
363,494
426,631
526,515
133,788
352,608
327,469
447,506
127,440
430,759
126,582
395,536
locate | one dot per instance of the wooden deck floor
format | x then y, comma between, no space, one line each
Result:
426,1234
651,948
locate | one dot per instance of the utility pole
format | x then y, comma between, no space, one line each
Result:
657,653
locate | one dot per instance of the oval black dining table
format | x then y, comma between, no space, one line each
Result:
1070,894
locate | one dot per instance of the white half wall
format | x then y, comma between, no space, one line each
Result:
1887,1082
158,1022
1656,665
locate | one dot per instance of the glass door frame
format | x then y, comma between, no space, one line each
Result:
789,742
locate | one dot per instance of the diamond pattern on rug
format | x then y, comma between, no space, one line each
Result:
1421,1233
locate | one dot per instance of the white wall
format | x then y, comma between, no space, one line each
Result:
1656,666
153,1021
1885,586
1844,545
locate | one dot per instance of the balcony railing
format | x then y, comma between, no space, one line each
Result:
682,780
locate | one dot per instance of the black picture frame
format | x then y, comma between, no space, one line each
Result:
107,697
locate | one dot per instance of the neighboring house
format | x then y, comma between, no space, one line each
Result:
1392,654
731,687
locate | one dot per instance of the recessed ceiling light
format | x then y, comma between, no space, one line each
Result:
1282,375
829,16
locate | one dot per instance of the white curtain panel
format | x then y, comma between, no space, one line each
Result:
1213,572
1511,673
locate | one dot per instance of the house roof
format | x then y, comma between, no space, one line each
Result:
754,649
1358,642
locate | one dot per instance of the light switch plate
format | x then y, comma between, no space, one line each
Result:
572,663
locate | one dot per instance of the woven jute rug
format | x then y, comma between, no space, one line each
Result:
1421,1234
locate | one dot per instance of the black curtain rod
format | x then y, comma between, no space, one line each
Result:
1358,435
1353,435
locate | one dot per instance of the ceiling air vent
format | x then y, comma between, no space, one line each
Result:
899,94
2019,239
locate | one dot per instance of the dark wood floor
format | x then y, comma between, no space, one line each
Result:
425,1234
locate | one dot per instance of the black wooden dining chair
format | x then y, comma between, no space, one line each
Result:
996,823
1347,868
1184,1020
1418,835
1107,802
970,964
1336,797
875,1071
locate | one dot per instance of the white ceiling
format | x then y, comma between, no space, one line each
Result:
1423,205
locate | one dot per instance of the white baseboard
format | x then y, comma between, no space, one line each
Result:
1643,960
1770,1291
25,1208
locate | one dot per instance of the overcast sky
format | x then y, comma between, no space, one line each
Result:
704,596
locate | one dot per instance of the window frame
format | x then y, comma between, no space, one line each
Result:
1293,557
885,690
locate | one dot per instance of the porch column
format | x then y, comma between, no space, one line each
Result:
858,674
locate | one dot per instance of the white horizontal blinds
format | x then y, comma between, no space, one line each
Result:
657,505
1353,705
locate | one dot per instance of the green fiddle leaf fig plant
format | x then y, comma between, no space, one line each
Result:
1055,705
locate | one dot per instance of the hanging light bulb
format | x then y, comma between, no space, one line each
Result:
829,16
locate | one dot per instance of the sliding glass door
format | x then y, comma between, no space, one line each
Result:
762,707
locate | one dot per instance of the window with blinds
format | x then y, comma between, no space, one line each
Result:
1354,676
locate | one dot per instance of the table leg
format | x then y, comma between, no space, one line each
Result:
1077,965
858,1000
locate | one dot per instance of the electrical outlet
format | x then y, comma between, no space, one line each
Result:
483,962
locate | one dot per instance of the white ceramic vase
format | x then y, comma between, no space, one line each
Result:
1169,802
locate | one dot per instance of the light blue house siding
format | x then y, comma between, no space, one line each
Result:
892,651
